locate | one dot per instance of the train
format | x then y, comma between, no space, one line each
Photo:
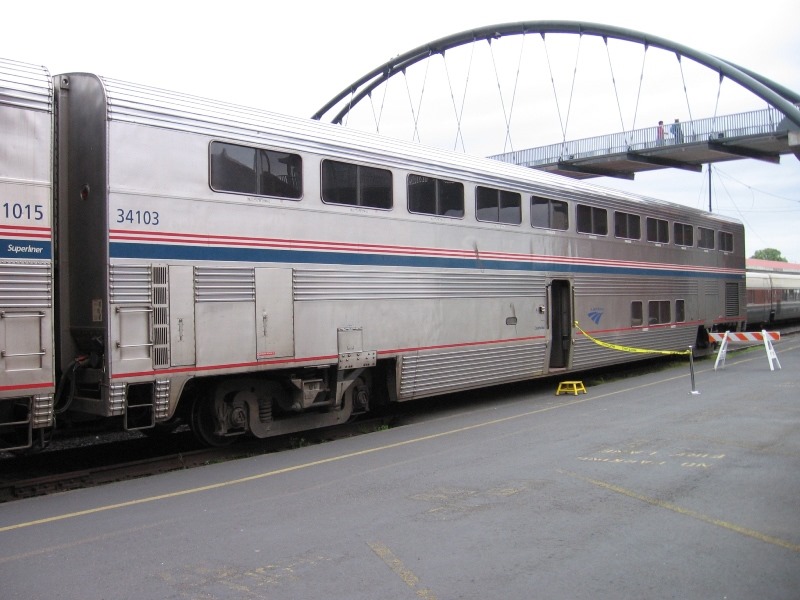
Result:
773,293
171,259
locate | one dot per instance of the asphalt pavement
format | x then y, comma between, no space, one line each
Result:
639,488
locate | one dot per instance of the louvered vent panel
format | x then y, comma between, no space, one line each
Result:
160,318
220,284
731,299
130,284
25,286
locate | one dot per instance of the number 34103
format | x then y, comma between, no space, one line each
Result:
137,217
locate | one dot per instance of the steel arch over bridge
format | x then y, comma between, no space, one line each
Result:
765,147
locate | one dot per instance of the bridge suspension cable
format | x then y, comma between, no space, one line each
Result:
774,94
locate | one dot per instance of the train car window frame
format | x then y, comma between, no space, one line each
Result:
591,220
627,226
436,197
547,213
705,238
683,234
659,312
657,230
348,184
725,239
505,203
680,311
637,313
271,173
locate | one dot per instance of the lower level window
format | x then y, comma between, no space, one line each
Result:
636,314
680,311
658,312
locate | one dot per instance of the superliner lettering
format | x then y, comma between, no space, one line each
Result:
24,249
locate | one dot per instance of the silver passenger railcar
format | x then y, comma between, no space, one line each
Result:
256,273
26,267
773,293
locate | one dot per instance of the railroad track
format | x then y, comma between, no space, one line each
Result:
105,462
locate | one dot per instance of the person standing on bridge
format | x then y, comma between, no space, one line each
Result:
660,134
677,132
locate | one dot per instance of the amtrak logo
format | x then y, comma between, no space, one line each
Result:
595,315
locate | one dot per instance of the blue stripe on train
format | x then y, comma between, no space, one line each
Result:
227,254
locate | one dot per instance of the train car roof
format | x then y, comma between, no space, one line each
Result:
173,110
24,85
772,266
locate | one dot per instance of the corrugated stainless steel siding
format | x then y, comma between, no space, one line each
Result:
224,284
445,372
370,285
602,285
26,286
587,354
131,284
26,86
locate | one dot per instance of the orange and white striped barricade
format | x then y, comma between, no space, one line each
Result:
734,337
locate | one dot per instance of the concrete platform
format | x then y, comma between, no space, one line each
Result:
637,489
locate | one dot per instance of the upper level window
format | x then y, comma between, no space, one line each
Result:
592,220
255,171
684,234
431,196
627,226
657,230
498,206
550,214
706,238
356,185
725,241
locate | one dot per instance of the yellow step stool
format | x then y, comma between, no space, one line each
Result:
570,387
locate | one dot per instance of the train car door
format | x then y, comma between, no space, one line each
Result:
560,323
181,315
274,314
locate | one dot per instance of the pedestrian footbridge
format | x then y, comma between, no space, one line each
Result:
763,134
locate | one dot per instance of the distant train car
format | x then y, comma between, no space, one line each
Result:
259,274
773,293
26,267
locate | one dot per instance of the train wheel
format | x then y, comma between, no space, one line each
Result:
204,422
358,395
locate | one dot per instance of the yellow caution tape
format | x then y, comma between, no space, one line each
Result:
628,348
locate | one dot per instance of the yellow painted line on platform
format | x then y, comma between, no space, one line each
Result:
762,537
399,569
232,482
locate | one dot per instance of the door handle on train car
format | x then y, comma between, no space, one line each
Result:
4,355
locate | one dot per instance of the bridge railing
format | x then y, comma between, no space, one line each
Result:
764,121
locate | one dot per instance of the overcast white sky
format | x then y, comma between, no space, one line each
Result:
292,57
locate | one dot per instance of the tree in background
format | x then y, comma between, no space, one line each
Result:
769,254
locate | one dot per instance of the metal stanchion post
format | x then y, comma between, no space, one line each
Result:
691,370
